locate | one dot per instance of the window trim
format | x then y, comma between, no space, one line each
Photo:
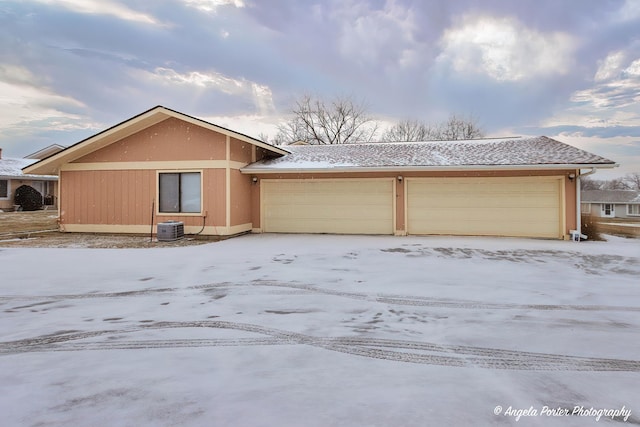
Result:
179,171
8,196
629,213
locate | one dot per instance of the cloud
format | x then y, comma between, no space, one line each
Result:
23,101
199,81
212,5
624,150
505,50
249,124
386,36
102,7
617,83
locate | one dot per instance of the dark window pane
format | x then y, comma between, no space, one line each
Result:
169,192
4,188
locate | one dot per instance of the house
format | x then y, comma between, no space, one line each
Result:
611,203
12,177
165,165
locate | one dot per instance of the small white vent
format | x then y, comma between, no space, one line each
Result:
170,230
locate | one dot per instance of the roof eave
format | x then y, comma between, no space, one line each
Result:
32,176
343,169
135,124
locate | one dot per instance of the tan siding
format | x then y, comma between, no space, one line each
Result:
107,197
255,204
400,191
214,196
171,139
240,198
240,151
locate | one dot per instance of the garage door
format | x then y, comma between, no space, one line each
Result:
527,207
346,206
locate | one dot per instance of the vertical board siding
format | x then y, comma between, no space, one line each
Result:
240,151
125,197
172,139
107,197
240,198
214,186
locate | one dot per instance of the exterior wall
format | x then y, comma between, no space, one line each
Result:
169,140
240,151
114,188
241,199
568,205
7,202
620,211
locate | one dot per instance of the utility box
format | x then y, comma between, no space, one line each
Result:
170,230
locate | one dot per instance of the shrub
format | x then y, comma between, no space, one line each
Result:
28,198
591,227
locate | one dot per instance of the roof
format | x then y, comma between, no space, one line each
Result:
508,153
131,126
45,152
610,196
12,169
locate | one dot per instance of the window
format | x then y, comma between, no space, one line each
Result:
607,210
585,208
633,210
4,189
179,192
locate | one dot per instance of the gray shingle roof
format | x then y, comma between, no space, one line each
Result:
610,196
538,151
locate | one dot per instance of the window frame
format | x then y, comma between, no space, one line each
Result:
7,196
179,172
630,212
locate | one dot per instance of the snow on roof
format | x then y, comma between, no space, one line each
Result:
12,169
610,196
537,151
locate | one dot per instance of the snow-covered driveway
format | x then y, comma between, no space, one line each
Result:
283,330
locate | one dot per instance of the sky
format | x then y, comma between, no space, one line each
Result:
569,70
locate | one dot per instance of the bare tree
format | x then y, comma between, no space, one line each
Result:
264,137
457,127
340,121
454,128
615,184
588,183
409,130
632,180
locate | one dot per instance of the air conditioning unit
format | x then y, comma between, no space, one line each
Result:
170,230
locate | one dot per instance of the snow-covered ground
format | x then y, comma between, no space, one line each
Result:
299,330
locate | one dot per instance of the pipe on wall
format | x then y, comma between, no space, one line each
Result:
578,201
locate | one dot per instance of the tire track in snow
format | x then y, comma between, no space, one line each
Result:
410,300
383,349
405,300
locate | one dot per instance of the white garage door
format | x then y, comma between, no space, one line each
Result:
342,206
527,207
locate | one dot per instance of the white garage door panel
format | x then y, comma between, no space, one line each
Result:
490,206
328,206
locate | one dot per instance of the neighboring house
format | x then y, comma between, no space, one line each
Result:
45,152
12,177
164,165
611,203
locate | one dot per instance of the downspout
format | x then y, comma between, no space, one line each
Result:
578,202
